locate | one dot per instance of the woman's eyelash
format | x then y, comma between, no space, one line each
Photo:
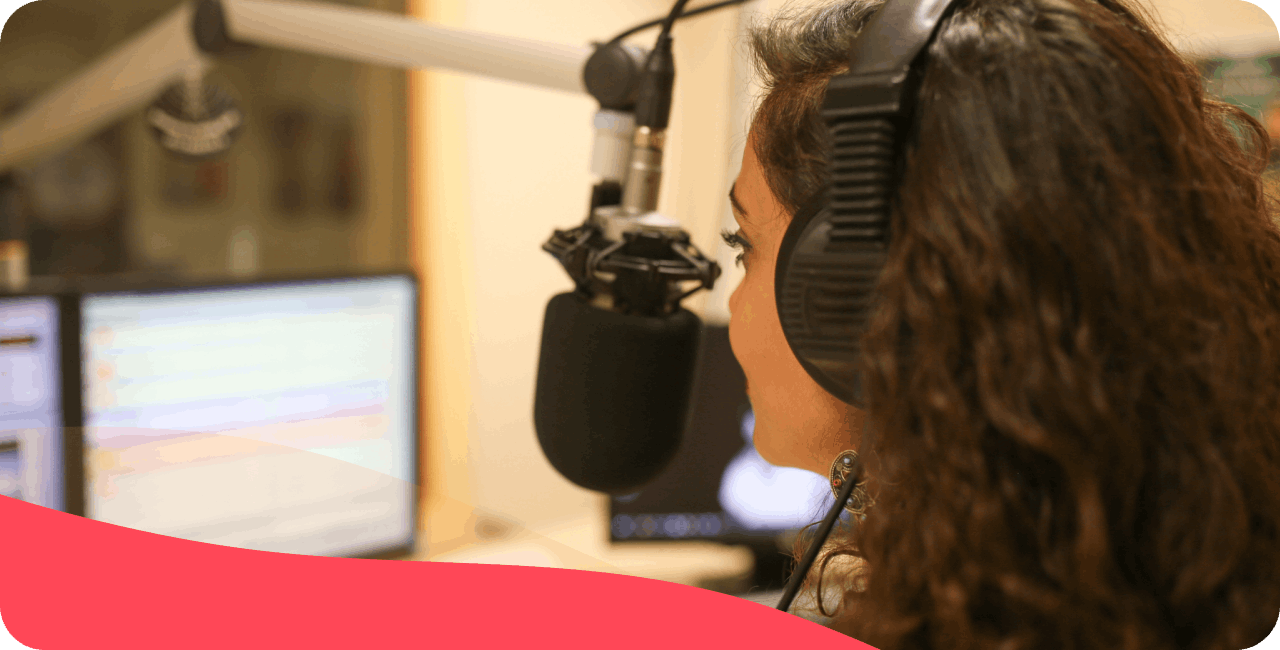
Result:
735,241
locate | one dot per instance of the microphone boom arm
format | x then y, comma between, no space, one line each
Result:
389,39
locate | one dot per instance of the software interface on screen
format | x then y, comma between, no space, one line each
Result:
717,486
30,408
269,417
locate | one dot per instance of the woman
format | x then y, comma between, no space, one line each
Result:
1072,372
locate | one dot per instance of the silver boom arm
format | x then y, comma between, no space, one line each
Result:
136,72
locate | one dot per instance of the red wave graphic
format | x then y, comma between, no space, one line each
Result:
69,582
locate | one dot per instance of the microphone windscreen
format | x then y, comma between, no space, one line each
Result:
613,392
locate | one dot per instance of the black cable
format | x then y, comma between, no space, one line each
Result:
671,17
688,14
811,554
657,81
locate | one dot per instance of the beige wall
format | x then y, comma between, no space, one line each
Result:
1218,27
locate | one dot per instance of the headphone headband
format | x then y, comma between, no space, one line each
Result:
894,36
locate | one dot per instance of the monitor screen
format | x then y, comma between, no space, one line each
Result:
718,487
276,417
31,458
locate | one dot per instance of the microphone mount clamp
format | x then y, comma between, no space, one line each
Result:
642,271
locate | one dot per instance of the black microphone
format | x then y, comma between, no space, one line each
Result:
616,365
613,392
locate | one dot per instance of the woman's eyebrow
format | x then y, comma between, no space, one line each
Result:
733,198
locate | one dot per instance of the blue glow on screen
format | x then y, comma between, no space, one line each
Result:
759,496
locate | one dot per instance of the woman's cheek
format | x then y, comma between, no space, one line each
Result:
739,328
734,300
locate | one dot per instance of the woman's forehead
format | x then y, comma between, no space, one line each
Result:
757,203
750,178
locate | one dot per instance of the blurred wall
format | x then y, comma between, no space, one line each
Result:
223,217
1231,28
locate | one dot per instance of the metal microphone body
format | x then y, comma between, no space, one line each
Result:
645,175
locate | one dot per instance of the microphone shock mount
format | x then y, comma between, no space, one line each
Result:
632,264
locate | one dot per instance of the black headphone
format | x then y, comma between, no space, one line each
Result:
835,247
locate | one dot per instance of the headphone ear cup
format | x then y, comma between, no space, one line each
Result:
799,223
805,288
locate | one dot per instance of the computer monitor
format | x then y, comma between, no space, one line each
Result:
275,416
31,449
717,487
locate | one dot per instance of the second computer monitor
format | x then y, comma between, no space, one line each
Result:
717,486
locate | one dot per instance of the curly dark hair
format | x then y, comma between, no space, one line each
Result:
1073,370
